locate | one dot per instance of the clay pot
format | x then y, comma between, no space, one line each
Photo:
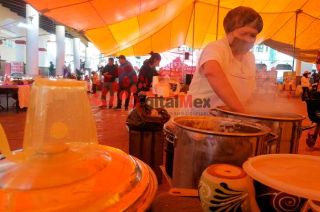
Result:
224,187
314,205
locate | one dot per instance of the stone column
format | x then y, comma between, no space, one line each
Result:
32,63
88,56
21,53
60,37
76,53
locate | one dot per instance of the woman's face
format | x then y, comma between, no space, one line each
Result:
242,39
156,63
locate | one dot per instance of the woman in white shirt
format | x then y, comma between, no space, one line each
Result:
225,72
305,84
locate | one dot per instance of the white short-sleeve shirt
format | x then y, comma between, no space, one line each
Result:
305,82
241,74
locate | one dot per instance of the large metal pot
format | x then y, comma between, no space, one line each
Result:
286,125
201,141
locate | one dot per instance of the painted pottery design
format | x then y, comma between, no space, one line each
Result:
314,206
270,200
223,187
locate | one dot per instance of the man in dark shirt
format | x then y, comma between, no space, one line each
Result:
127,78
109,74
52,72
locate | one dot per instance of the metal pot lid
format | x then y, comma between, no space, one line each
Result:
290,173
279,116
87,177
220,126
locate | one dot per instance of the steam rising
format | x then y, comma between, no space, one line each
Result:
274,102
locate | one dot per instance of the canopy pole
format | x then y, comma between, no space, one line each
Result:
193,31
217,27
295,37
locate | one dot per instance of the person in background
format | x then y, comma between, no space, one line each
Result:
66,71
69,71
313,72
305,84
225,73
100,68
95,82
79,74
146,73
116,64
87,80
109,73
51,70
127,78
82,65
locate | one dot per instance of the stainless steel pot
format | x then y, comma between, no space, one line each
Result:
200,141
286,125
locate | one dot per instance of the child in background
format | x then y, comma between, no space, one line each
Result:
95,81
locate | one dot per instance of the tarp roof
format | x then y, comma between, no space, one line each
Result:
136,27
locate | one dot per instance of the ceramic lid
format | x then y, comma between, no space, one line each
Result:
290,173
104,178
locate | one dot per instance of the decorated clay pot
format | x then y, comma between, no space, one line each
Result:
283,182
224,187
270,199
314,205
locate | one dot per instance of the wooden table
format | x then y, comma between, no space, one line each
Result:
10,90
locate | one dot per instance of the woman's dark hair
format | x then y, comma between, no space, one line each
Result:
154,56
306,73
240,17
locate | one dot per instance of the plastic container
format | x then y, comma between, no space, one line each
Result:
284,182
62,167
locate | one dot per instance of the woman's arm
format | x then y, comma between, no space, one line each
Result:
221,86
